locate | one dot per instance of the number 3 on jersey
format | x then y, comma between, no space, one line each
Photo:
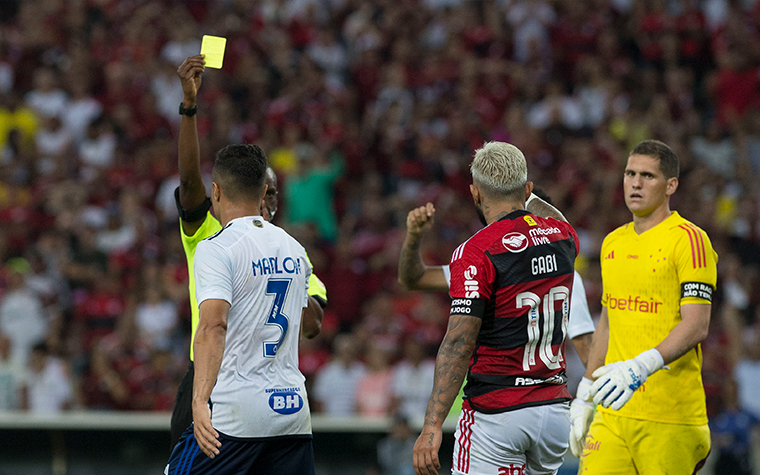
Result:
279,288
529,299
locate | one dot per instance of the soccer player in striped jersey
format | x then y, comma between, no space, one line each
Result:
658,276
197,223
510,287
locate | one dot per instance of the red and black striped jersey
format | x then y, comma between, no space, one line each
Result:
517,275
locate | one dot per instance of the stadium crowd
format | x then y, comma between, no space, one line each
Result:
366,109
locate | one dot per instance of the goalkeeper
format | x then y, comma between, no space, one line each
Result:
658,275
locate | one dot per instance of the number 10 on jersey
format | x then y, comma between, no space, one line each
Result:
279,288
535,333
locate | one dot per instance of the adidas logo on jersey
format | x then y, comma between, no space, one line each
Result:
611,255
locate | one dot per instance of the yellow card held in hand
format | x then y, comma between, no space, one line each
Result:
213,48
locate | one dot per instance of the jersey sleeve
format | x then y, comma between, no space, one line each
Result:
208,228
213,273
307,280
472,277
696,264
580,321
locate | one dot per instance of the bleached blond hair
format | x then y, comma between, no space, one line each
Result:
500,168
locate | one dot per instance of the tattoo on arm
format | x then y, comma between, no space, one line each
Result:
411,268
451,366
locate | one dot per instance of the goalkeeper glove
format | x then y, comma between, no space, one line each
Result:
581,413
616,382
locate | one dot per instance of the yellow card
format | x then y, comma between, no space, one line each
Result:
213,48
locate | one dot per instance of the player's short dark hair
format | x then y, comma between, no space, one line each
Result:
543,195
659,150
241,170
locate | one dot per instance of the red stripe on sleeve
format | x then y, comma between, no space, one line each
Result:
691,238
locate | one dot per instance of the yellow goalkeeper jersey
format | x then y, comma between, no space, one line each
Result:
208,228
646,278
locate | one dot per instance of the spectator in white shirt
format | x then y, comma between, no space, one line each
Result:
48,387
413,380
336,382
46,99
22,316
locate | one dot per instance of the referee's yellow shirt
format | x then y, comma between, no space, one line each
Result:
646,278
208,228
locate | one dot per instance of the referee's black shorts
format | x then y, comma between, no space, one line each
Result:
182,415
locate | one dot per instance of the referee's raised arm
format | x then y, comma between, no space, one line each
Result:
192,191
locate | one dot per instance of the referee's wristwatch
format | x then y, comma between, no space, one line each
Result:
188,112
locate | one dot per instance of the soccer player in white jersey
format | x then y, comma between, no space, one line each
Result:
250,409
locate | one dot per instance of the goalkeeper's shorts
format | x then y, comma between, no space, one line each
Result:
618,445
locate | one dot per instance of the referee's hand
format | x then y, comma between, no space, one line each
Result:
205,434
426,451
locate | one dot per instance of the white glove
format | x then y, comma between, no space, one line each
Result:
581,413
616,382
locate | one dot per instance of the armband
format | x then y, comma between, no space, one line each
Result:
195,214
472,307
698,290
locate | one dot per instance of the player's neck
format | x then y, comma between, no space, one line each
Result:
644,223
238,210
495,210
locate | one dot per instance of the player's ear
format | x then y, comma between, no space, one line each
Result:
475,193
264,192
528,190
671,186
216,192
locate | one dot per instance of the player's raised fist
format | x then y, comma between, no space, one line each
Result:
420,220
189,74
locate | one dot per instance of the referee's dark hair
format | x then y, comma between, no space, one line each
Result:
659,150
241,170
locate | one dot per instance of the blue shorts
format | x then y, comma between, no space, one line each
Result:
285,455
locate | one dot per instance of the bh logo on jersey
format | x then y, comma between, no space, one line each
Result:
515,242
471,286
512,470
286,402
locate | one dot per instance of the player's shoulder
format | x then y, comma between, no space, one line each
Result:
617,234
681,226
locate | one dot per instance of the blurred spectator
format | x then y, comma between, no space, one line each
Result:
336,382
309,195
82,110
46,98
12,377
731,433
413,380
48,387
156,318
22,316
374,391
394,452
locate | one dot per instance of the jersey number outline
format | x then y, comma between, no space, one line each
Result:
279,288
535,333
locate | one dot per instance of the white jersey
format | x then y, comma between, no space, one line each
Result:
579,322
263,273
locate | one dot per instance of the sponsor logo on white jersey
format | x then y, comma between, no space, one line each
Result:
515,242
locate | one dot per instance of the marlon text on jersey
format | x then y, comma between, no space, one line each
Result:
271,265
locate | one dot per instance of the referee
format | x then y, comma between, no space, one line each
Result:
197,223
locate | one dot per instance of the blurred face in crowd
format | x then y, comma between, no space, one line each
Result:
645,186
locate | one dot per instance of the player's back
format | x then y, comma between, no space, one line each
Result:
519,271
259,391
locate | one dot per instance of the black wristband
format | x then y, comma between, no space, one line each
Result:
195,214
188,112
